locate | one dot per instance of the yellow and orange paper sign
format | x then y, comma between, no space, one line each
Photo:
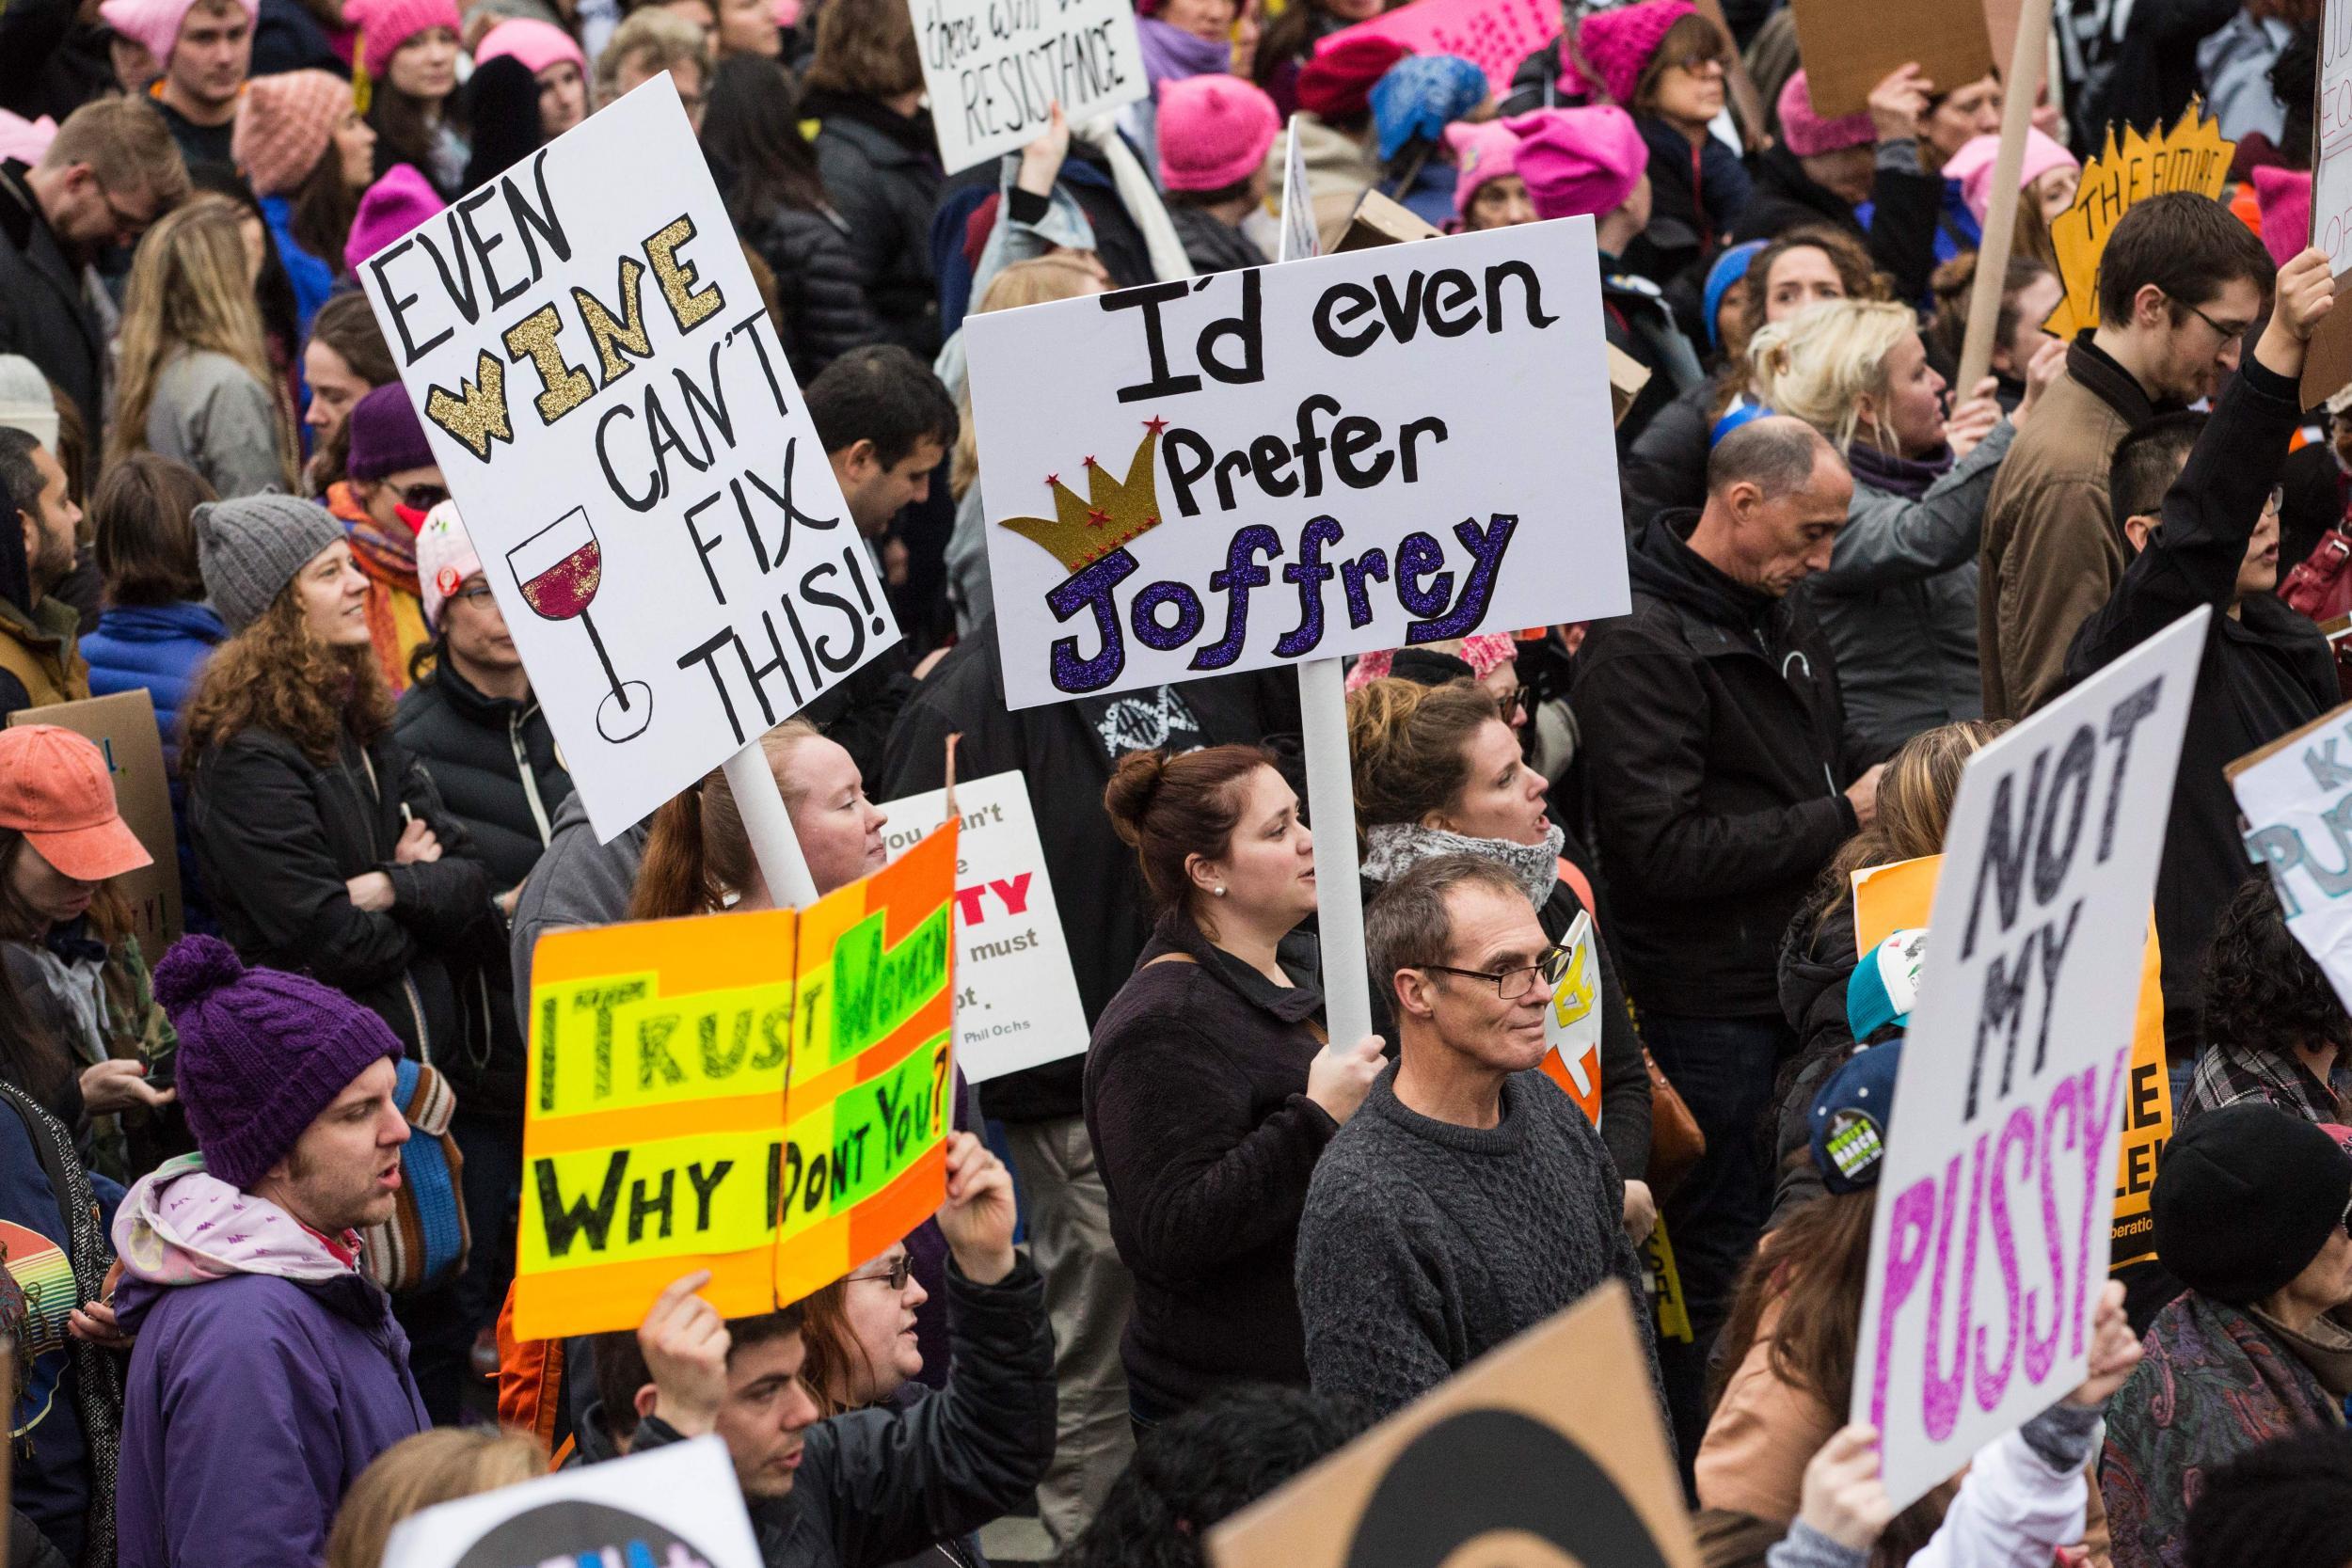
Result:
2191,156
1889,898
764,1095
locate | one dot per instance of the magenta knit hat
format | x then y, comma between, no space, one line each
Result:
156,23
385,436
537,44
1807,135
1972,165
2284,197
262,1052
385,25
1213,131
1618,45
1578,161
388,208
283,123
1482,152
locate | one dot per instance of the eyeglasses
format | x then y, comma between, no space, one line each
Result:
1511,703
475,594
2274,502
128,226
421,497
2228,333
896,1276
1512,984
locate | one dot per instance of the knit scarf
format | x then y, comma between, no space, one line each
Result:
388,559
1172,55
1907,476
1141,197
1392,849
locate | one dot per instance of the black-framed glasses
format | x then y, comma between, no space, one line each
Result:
421,497
2228,333
896,1276
1512,704
475,594
1512,984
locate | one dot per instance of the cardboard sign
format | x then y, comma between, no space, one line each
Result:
1849,46
601,386
124,727
1367,451
1888,898
1493,35
2191,156
763,1094
674,1507
994,69
2292,793
1998,1184
1553,1439
1017,998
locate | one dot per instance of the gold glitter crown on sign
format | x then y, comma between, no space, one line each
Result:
1114,513
2190,156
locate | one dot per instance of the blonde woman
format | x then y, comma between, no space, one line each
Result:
437,1466
1899,598
195,383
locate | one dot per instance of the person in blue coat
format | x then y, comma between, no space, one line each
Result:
156,630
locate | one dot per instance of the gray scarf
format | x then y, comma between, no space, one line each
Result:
1392,849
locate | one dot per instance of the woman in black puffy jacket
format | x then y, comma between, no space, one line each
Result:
777,201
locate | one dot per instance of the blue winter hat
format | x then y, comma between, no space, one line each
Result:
1731,266
1850,1116
1886,984
1421,95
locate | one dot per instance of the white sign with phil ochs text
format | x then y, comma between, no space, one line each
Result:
673,1506
2297,794
1988,1246
613,412
1372,450
1016,998
994,69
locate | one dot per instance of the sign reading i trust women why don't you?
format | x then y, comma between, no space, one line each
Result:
611,408
1373,449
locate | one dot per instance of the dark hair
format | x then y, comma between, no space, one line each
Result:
345,324
882,394
502,115
1816,1263
1954,285
1776,454
323,207
72,449
2262,990
752,137
31,1058
1407,924
402,134
2282,1504
2146,462
19,479
865,49
1173,808
1223,194
1409,745
621,1370
146,544
1195,1470
2295,82
1693,38
2189,245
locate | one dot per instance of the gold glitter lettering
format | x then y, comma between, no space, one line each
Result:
678,278
477,414
566,385
610,336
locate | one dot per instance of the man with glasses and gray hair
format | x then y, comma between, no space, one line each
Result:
1469,1198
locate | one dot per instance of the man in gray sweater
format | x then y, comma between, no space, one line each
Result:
1469,1198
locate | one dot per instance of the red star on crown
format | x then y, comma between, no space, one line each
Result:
1090,460
1155,426
1052,479
1097,517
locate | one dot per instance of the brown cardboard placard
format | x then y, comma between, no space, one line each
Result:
1627,377
124,727
1379,221
1553,1441
2327,359
1849,46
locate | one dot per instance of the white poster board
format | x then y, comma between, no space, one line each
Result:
1572,1023
1371,449
670,1506
994,69
2331,138
1300,238
1989,1242
615,416
1016,996
2293,794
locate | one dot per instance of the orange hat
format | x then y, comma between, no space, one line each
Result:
54,791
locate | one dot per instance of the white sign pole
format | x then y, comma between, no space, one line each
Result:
768,823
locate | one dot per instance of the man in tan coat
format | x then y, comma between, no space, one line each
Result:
39,662
2181,282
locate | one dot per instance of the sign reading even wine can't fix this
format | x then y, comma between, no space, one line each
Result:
613,411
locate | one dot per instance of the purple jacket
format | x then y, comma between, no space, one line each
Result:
266,1376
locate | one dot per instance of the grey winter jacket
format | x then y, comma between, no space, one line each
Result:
211,414
1899,603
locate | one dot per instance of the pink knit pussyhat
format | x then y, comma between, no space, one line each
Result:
1807,135
1482,651
284,121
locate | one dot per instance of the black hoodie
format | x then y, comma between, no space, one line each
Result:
1715,739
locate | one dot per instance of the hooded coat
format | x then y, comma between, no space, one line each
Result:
162,648
267,1375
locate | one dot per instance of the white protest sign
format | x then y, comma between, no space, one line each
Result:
2297,794
1988,1246
1572,1023
671,1506
1372,450
2331,131
613,414
995,68
1300,238
1016,998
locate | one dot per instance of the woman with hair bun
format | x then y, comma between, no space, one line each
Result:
1211,1087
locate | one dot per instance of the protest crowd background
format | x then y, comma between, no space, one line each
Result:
272,1213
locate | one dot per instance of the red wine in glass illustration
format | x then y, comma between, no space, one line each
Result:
559,569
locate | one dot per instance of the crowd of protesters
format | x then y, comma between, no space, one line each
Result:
258,1192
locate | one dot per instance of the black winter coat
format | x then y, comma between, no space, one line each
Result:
276,838
1715,739
1906,205
819,291
494,761
1666,469
1696,195
1196,1101
1212,244
882,173
43,315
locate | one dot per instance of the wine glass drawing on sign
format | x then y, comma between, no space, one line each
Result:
559,569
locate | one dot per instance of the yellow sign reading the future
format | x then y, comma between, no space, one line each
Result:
2190,157
762,1094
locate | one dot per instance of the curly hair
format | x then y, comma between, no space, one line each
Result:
2262,992
275,675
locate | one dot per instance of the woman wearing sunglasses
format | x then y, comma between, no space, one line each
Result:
1211,1088
394,483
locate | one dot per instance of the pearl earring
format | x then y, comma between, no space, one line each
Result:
1219,889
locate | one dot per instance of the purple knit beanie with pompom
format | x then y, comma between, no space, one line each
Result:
262,1052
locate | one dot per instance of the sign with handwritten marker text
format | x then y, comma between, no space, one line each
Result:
2293,795
996,68
2191,156
764,1094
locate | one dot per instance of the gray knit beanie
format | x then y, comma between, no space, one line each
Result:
250,548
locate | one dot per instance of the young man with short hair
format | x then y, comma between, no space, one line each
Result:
39,660
2181,282
203,52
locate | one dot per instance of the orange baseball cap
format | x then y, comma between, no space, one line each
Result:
53,789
